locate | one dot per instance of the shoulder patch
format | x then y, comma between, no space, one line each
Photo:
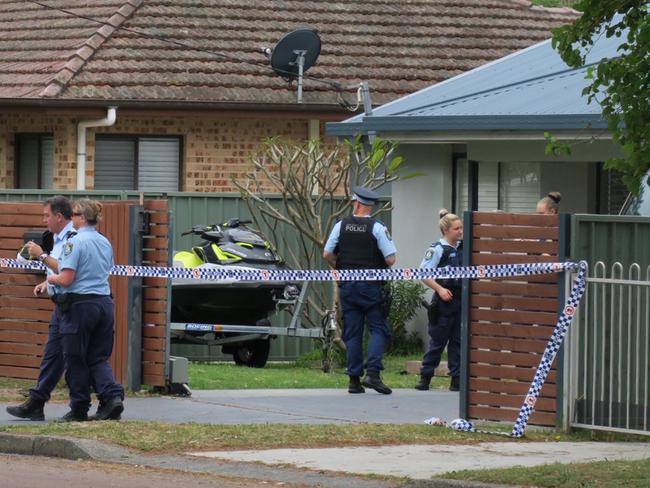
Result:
429,254
387,234
67,248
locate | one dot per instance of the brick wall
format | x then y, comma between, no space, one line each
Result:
63,129
215,147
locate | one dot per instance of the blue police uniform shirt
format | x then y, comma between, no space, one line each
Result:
433,254
60,239
90,254
379,231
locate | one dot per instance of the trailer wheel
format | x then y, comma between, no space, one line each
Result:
253,354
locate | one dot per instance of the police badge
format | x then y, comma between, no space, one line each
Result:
67,248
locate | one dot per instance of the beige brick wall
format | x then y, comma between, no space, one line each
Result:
216,147
63,129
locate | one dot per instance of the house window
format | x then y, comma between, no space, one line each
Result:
512,187
137,163
519,188
34,161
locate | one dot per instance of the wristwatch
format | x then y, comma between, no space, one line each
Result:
43,256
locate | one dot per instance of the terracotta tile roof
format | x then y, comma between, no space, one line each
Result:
397,46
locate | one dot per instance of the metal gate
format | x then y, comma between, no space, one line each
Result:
607,371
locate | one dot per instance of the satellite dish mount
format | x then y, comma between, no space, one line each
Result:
294,54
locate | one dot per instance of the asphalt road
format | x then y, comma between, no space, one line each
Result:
31,471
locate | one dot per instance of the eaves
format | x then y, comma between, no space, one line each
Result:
405,124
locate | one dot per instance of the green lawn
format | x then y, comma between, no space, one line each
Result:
602,474
208,376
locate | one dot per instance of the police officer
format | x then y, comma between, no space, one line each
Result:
444,317
550,204
87,318
362,242
57,213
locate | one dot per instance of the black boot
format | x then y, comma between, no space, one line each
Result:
110,409
455,383
30,409
355,385
423,384
372,380
74,416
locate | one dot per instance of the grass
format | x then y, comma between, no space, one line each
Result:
601,474
11,390
167,437
209,376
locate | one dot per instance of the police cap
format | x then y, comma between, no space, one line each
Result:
364,195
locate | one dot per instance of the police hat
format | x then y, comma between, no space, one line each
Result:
364,195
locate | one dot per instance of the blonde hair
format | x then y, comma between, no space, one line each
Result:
552,201
446,220
91,210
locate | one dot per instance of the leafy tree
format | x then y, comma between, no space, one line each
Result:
620,85
313,182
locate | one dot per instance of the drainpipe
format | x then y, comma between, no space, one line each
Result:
111,115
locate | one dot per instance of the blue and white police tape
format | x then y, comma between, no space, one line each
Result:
488,271
552,348
251,274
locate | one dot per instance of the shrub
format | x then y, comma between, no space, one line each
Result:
407,297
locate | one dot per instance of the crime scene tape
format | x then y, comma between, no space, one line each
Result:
404,274
552,347
251,274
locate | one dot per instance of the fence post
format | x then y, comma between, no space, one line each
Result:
564,243
464,319
134,355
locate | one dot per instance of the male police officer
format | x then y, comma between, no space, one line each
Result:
361,242
57,214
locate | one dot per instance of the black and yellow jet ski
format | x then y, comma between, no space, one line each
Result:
228,245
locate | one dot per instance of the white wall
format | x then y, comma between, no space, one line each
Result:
592,151
417,200
572,175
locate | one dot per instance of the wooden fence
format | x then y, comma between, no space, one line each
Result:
510,320
24,318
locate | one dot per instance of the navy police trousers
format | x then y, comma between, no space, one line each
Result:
87,337
51,368
444,332
361,302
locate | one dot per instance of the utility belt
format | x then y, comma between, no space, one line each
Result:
65,300
365,282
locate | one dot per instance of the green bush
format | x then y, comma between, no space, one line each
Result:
407,298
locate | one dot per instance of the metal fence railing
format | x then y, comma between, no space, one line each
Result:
606,370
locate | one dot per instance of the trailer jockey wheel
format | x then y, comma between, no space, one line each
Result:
252,353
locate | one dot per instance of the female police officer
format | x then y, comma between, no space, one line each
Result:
87,316
444,323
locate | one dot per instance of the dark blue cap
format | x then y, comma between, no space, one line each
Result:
364,195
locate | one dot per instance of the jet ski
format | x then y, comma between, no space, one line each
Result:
229,245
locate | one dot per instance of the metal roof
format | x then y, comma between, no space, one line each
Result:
530,89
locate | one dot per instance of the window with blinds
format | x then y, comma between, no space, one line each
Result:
519,187
511,187
137,163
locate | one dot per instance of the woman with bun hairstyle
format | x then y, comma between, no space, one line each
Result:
550,204
445,309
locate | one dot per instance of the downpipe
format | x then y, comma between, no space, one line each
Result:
111,116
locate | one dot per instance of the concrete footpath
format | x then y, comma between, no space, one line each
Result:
334,467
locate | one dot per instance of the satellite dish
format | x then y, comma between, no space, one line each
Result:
294,54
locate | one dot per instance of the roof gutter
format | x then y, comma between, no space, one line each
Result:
467,123
111,116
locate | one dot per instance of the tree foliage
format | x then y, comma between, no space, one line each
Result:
312,184
620,85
